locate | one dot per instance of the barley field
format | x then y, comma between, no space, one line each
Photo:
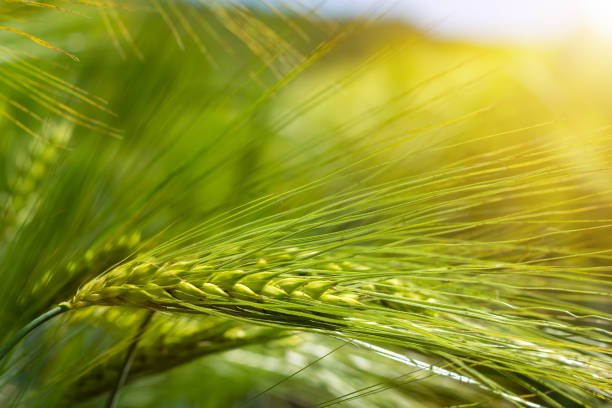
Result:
223,203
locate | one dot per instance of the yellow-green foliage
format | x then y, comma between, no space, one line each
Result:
215,175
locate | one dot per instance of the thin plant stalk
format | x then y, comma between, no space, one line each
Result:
113,398
24,331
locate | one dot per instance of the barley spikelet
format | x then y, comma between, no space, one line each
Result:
57,284
169,342
389,309
32,168
95,261
177,284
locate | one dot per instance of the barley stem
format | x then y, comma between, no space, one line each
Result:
113,398
29,327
